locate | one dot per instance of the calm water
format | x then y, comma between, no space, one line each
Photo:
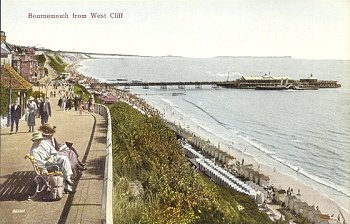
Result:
307,131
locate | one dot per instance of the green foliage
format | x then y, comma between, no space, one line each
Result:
4,99
41,59
37,94
55,64
4,95
59,59
144,149
81,91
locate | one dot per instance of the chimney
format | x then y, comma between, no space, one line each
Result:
3,37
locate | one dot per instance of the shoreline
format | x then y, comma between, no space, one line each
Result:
281,180
310,195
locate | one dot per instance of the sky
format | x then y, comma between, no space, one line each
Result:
305,29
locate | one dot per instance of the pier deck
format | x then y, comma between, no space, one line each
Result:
236,84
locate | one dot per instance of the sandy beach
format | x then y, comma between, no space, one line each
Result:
278,179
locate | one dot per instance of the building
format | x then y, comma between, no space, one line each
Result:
254,176
6,50
299,206
108,99
264,181
266,80
25,63
323,219
307,210
281,196
245,171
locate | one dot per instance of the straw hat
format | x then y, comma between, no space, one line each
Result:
37,136
47,129
31,98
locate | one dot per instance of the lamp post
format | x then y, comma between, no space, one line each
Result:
10,102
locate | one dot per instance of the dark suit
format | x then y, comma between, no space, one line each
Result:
45,111
15,116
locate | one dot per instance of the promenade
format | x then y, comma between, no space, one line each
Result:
88,133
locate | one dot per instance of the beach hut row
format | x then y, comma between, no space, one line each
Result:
303,209
218,154
190,152
203,145
223,178
249,173
261,193
217,173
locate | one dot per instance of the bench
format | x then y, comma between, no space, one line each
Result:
42,178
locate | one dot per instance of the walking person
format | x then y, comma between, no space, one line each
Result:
45,111
91,104
15,115
38,101
31,110
64,101
76,103
81,107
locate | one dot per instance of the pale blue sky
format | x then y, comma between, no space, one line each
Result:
312,29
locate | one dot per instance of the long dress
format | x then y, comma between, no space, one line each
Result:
65,151
31,108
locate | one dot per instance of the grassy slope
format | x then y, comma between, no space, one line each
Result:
58,65
144,149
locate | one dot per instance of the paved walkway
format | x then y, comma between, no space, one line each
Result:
88,133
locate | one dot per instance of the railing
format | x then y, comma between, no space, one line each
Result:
107,196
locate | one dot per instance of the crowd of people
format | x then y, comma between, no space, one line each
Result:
137,102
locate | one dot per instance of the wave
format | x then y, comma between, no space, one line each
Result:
259,147
207,113
297,169
296,140
168,102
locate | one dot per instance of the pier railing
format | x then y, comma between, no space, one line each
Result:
107,194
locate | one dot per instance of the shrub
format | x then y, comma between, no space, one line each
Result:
144,149
41,59
4,99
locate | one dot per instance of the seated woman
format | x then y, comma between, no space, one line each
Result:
45,155
62,149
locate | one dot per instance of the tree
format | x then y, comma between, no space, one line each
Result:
4,99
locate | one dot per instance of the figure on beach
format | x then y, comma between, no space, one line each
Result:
31,113
15,115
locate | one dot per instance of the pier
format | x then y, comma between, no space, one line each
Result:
164,85
265,81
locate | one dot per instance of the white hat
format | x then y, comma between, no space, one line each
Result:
36,136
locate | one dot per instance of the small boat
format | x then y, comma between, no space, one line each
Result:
177,94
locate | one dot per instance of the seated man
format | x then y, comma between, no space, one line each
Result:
45,154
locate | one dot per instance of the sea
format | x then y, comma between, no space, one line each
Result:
304,134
